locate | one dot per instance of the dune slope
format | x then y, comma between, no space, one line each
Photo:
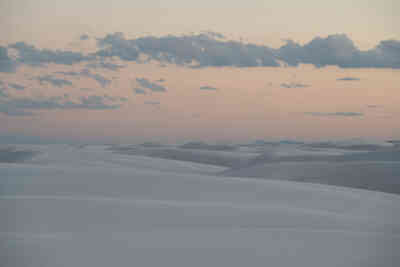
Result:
91,207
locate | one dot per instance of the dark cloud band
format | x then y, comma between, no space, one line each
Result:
23,106
209,50
204,50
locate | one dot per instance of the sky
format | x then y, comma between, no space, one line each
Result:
218,71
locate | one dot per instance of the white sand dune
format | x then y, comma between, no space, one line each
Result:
92,207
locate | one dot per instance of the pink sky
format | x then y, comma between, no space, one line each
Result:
297,102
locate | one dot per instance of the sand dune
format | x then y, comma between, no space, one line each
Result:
92,207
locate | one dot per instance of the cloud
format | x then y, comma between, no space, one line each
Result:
348,79
30,55
209,88
100,79
91,102
117,46
149,85
153,103
333,50
293,85
16,86
205,50
54,81
105,65
200,50
69,73
139,91
84,37
339,114
87,73
339,50
6,63
210,49
24,106
215,34
374,106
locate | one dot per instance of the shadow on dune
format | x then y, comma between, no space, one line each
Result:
205,146
379,171
374,170
388,155
211,157
13,155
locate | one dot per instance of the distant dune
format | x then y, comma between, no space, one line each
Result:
200,154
